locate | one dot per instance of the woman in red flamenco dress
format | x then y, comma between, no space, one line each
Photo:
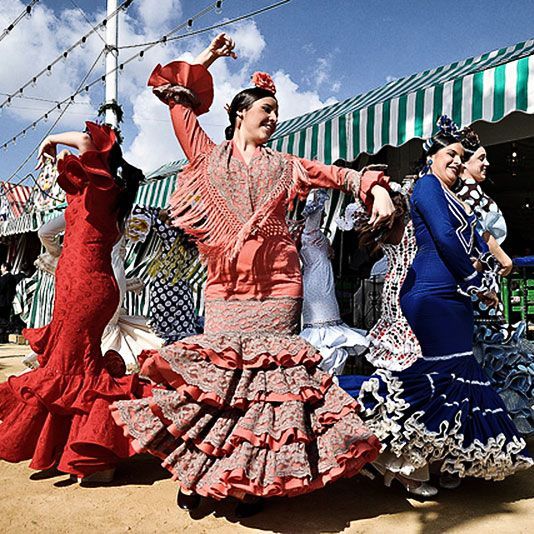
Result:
243,410
58,415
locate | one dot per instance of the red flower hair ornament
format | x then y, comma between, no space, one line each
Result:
263,81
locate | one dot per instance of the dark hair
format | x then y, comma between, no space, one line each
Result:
470,142
7,265
128,178
435,144
371,236
243,101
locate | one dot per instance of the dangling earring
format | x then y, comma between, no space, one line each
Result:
429,162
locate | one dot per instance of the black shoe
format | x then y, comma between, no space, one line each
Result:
187,501
45,474
248,509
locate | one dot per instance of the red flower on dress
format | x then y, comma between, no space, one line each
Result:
264,81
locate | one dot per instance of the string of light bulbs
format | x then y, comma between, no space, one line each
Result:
163,40
25,13
58,118
63,56
70,99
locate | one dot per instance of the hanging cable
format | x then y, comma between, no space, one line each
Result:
60,116
140,55
76,6
36,98
25,13
209,28
63,55
87,87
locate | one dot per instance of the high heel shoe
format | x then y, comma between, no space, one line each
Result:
187,501
413,487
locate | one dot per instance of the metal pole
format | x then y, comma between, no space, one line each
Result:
112,61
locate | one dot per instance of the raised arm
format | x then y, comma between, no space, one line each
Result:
81,141
188,91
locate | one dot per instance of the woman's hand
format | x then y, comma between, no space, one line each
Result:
383,208
477,265
506,265
489,298
47,150
221,46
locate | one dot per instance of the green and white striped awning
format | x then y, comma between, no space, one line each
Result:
487,87
160,185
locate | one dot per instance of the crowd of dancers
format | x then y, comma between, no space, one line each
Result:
248,408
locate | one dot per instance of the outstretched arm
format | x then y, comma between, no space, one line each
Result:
188,91
368,185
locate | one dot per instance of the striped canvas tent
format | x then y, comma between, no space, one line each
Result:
486,87
16,197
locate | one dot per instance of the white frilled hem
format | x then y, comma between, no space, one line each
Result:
129,336
335,343
416,447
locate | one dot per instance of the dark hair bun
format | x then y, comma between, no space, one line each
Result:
470,140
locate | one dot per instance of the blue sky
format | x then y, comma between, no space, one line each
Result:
320,50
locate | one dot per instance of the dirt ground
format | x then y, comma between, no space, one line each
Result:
142,500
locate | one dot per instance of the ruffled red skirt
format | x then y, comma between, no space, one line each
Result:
60,417
243,409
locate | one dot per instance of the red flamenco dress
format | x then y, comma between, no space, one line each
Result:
58,415
244,408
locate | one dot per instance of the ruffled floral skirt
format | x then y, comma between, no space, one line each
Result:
244,409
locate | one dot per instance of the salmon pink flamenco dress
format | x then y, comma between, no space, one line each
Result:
243,408
58,415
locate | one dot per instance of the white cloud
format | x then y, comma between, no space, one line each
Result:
149,138
159,15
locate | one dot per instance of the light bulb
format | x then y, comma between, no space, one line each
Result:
34,81
514,155
140,57
218,7
49,70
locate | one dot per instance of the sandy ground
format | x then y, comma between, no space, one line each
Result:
142,500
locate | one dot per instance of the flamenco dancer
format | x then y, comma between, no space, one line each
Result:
442,409
58,415
172,306
502,351
322,324
393,344
125,336
244,410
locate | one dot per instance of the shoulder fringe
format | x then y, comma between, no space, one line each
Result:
200,210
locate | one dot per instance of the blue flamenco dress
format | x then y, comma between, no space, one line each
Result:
442,408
